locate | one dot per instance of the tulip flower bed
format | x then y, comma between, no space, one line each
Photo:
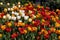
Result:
29,22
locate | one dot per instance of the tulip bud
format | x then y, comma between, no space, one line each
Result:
9,9
30,20
1,35
4,17
59,37
8,4
5,9
1,3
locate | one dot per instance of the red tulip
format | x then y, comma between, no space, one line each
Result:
33,12
46,36
47,23
43,9
43,13
49,32
14,35
1,15
36,22
8,29
52,13
58,21
21,30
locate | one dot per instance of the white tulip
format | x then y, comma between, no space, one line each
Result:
19,20
13,18
13,12
9,17
1,3
22,14
8,4
18,17
19,6
21,11
26,17
16,13
8,9
30,20
4,17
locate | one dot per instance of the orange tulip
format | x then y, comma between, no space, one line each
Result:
29,28
9,24
57,31
52,29
57,24
34,28
3,27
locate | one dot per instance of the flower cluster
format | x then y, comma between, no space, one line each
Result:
29,22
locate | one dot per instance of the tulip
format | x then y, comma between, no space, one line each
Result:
18,17
3,27
14,35
36,22
18,2
49,32
52,29
29,28
34,28
59,37
1,35
26,17
30,20
9,24
57,24
1,15
13,18
1,3
22,30
5,9
9,9
4,17
38,37
57,31
8,29
46,36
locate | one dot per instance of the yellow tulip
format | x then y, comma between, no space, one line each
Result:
57,17
5,9
38,6
43,20
59,37
54,19
25,31
57,10
23,24
29,28
0,35
57,24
